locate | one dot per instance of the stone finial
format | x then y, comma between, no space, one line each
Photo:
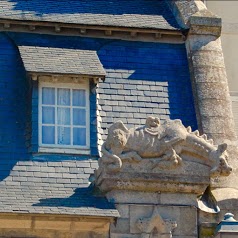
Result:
227,227
229,217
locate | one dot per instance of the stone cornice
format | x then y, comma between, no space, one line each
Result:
128,33
205,23
183,10
193,15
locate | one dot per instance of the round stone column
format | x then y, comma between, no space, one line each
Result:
208,77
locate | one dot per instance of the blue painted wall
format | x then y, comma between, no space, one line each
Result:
142,79
13,106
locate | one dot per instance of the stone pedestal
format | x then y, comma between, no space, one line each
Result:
157,176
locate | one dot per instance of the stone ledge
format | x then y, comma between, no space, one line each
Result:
205,23
57,223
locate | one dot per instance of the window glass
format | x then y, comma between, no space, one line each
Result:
64,112
48,115
64,135
79,136
63,116
79,117
48,133
63,96
79,98
48,96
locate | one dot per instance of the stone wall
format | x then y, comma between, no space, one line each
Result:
46,226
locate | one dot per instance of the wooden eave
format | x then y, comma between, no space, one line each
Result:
35,75
79,29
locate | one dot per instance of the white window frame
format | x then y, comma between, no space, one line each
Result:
66,149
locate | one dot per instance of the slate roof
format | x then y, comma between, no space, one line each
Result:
61,61
151,14
53,188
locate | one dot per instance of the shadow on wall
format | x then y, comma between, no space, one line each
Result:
14,107
39,8
82,197
125,62
161,72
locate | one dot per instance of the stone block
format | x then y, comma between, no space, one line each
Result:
115,235
123,210
208,58
184,236
185,217
208,109
217,91
96,226
15,223
208,42
52,225
178,199
121,226
128,197
220,124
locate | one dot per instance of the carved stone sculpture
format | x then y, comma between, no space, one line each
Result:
163,143
159,157
156,226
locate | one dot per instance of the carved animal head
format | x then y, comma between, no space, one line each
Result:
220,158
117,137
152,122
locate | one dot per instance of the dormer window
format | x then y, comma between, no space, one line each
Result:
61,82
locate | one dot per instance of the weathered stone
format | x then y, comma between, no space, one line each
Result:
208,42
218,123
178,199
208,108
155,225
154,174
209,74
122,226
115,235
207,58
136,197
15,223
52,225
212,91
185,218
183,10
123,210
159,157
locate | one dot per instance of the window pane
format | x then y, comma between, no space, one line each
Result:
48,135
63,135
79,97
48,115
63,116
79,137
48,96
63,96
79,117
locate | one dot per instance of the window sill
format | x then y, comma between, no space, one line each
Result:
64,150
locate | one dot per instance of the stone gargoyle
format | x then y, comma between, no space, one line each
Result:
162,142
